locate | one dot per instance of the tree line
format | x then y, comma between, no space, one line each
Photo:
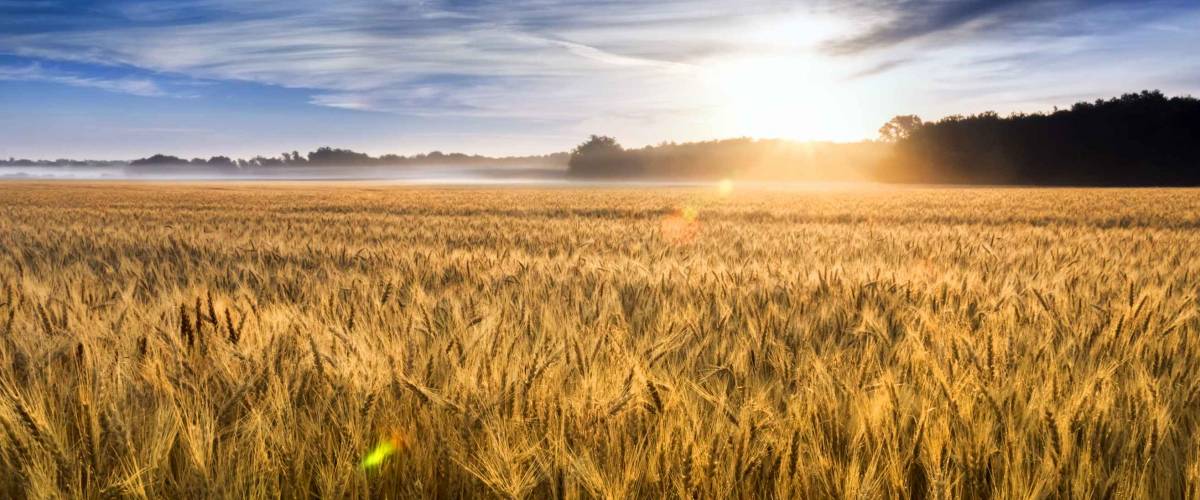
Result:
334,157
321,157
1137,139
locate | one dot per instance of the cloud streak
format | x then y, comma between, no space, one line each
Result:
363,55
912,19
36,73
906,21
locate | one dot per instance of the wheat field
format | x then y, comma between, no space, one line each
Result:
364,340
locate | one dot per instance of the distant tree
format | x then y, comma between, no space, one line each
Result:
262,161
341,157
220,161
597,144
159,160
601,156
899,128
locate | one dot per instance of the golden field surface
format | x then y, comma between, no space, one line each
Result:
368,340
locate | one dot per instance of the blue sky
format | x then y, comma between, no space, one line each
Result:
123,79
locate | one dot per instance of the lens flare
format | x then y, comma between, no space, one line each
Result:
681,225
385,448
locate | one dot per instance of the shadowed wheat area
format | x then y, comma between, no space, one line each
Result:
380,341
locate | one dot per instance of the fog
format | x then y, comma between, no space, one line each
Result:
439,174
40,172
416,176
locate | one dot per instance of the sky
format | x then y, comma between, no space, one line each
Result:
119,79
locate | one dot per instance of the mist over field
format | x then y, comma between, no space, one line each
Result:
34,172
412,174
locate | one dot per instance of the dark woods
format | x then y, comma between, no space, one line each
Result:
1144,139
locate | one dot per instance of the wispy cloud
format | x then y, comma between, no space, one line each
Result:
36,73
606,57
912,19
879,68
897,22
373,56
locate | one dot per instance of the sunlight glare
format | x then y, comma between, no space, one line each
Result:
778,97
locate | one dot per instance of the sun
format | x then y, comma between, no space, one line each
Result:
775,97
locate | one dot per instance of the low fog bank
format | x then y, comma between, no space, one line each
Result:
431,176
408,173
62,173
324,163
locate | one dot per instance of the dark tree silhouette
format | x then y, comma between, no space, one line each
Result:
159,161
222,164
601,156
339,157
899,128
1139,139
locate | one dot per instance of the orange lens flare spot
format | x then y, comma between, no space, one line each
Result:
681,225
